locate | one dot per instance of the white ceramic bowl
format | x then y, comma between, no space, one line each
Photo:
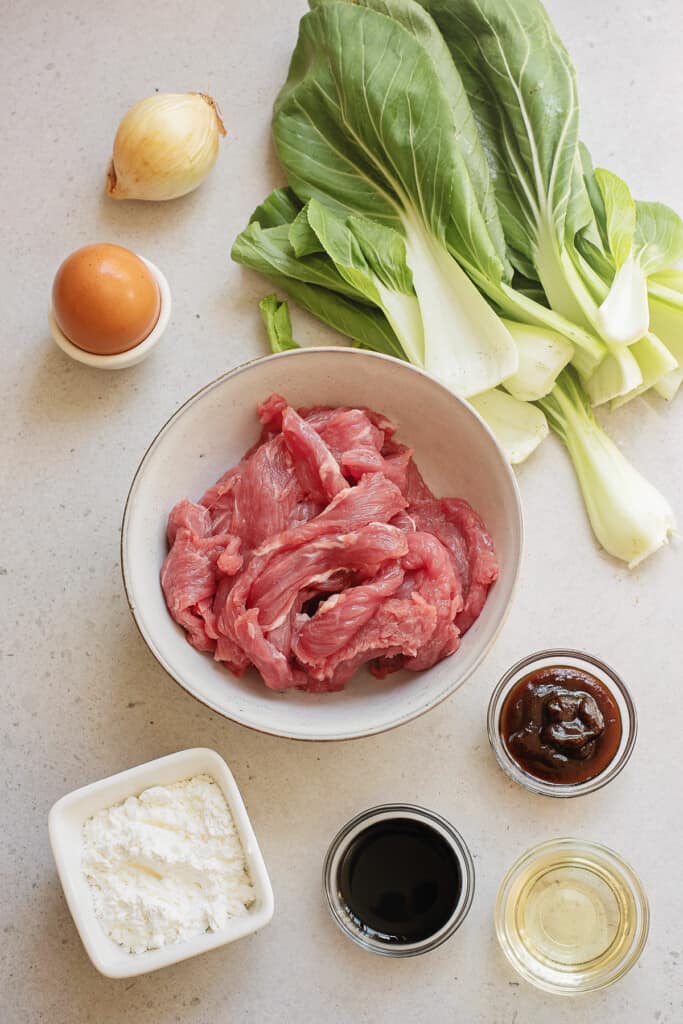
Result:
66,821
456,454
121,360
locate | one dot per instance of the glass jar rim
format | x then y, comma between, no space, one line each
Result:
627,710
342,841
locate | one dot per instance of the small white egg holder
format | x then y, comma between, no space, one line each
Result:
122,360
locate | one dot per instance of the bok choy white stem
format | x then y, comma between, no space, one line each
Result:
630,518
517,426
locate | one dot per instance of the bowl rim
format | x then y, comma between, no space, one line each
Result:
325,351
131,356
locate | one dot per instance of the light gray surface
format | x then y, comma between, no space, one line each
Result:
82,696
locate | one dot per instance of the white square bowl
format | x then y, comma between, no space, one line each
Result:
65,826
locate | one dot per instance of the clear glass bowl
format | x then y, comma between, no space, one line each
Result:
335,856
583,939
574,659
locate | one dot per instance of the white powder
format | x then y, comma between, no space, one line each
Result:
166,865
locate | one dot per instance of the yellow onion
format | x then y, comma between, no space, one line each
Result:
165,146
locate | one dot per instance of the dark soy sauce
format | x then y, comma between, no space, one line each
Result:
400,881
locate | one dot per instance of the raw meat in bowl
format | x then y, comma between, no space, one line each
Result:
323,550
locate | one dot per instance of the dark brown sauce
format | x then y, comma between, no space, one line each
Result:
400,881
561,724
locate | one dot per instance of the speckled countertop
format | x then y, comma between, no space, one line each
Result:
83,698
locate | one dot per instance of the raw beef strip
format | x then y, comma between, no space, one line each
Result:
429,575
189,516
220,499
275,591
326,638
266,494
462,531
432,577
397,466
230,561
232,654
481,558
276,669
270,413
359,446
226,649
356,462
346,430
188,577
314,464
319,415
304,511
416,489
430,517
373,500
362,551
398,626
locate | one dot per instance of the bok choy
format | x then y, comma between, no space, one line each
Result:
636,240
278,323
441,209
630,518
374,120
370,261
522,87
364,124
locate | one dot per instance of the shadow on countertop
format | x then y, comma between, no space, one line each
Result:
64,391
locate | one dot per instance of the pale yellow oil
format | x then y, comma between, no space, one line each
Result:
568,914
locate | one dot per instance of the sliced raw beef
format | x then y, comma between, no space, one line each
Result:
323,550
189,577
315,466
187,515
481,558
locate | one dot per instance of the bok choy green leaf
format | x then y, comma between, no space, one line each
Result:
640,239
638,242
311,280
277,322
365,124
623,313
522,88
371,260
513,303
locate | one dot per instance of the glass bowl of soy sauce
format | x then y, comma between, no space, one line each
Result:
398,880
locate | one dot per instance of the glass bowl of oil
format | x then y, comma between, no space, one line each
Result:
571,916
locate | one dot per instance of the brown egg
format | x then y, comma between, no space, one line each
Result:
105,299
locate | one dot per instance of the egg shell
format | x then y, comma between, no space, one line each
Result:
105,299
